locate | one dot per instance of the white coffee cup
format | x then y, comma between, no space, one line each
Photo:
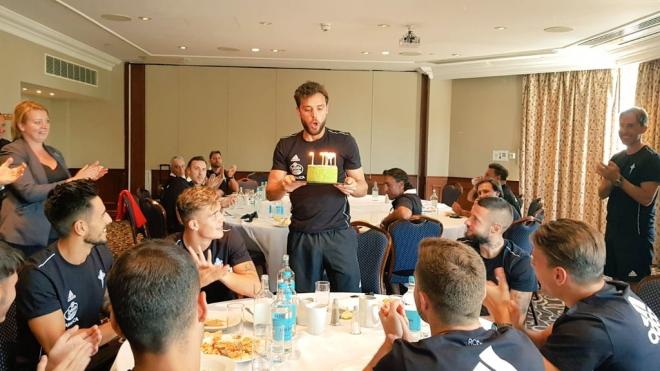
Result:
317,318
369,308
301,310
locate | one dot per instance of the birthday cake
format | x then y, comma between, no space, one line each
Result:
326,174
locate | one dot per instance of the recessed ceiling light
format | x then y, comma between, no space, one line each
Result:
144,18
558,29
499,28
183,47
383,25
116,17
364,52
385,52
255,50
265,23
51,94
24,89
38,91
275,50
228,49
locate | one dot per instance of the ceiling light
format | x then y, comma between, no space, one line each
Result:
385,52
24,89
275,50
558,29
383,25
51,94
409,39
38,91
144,18
116,17
255,50
265,23
499,28
183,47
364,52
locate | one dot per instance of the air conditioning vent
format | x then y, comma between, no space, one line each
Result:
67,70
626,33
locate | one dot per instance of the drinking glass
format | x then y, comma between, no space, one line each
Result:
322,293
235,317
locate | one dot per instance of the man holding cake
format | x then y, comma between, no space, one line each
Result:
319,167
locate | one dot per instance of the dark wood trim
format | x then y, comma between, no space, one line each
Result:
423,134
135,125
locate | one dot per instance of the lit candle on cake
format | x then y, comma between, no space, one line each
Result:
311,154
326,172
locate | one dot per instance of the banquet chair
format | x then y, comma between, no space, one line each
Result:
406,236
451,193
648,290
247,183
137,221
374,245
156,217
520,231
8,340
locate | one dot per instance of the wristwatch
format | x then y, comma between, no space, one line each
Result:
619,181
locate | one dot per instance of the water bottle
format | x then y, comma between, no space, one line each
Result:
414,320
434,201
262,303
282,315
288,277
374,191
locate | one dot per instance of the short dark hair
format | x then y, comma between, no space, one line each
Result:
500,209
499,170
11,260
197,158
400,176
153,290
214,152
573,245
67,201
453,276
496,185
308,89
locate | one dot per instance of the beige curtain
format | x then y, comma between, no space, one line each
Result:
648,97
567,120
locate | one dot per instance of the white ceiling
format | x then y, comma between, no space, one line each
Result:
458,37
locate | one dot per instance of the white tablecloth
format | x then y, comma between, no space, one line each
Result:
335,349
271,240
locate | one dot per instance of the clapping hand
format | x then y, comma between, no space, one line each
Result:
93,171
208,272
213,181
348,187
72,350
610,171
231,171
9,175
393,318
498,300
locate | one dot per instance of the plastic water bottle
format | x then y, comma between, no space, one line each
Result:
282,315
288,277
434,201
414,320
374,191
262,303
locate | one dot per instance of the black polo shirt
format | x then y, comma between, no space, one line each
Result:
230,249
317,207
410,201
610,330
465,350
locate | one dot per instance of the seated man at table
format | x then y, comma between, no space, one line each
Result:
606,326
451,284
157,305
176,183
228,184
406,202
224,264
491,216
63,285
485,187
499,174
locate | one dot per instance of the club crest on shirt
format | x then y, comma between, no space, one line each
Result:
70,313
632,167
296,168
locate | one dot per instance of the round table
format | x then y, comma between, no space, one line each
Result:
335,349
269,238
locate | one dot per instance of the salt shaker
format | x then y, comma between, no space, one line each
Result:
334,319
355,321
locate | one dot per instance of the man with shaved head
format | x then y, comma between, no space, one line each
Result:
490,218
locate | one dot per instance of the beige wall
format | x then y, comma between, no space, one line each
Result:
486,115
244,111
86,126
440,98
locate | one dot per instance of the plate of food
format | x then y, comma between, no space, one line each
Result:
281,222
217,320
238,348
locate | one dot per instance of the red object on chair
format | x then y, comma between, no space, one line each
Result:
140,220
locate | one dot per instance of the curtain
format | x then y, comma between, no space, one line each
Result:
648,97
566,130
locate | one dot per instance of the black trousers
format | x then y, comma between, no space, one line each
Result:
626,253
335,252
